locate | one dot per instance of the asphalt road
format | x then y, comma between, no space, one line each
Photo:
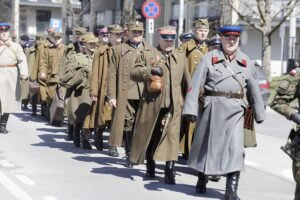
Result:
37,163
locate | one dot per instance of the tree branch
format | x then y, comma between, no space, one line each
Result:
261,12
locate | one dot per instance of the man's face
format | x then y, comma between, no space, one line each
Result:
115,38
135,36
58,40
90,46
103,38
4,35
201,34
230,43
166,45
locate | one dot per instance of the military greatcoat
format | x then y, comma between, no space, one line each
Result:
194,53
176,66
218,145
123,59
13,64
50,65
76,79
99,77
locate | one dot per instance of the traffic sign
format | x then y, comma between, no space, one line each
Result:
151,9
56,24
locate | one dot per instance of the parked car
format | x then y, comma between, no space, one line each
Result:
263,83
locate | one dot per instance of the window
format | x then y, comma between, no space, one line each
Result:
42,20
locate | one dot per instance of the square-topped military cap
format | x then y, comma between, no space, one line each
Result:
80,31
167,32
115,28
135,26
57,34
201,23
89,37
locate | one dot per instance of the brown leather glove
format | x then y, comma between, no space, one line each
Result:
156,84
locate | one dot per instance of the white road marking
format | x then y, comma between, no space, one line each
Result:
25,179
5,163
49,198
14,189
250,163
288,173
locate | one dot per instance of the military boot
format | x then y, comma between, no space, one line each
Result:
43,109
128,138
113,151
34,108
150,165
70,131
170,172
98,138
201,183
3,123
76,134
231,186
86,138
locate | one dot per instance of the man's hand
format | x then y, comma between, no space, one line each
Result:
23,77
42,76
113,103
94,98
295,117
157,70
190,118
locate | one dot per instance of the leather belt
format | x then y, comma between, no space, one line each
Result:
225,94
11,65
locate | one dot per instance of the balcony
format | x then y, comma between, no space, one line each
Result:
49,3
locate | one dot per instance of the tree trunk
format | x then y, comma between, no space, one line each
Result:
128,12
266,55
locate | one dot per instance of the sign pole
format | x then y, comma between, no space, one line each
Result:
150,30
151,11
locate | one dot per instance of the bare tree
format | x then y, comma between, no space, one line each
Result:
128,12
5,10
268,20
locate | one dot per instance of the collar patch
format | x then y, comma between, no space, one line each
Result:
214,60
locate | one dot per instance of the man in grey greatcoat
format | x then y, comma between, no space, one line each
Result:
13,67
226,76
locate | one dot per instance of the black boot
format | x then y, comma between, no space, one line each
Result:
231,186
70,131
98,138
201,183
86,137
150,165
43,109
170,172
76,134
127,140
3,123
33,113
113,151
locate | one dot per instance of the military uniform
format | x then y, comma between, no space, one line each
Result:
75,46
194,51
77,79
99,78
288,90
13,66
229,88
157,128
50,65
123,89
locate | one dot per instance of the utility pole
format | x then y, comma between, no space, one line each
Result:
92,16
180,20
64,18
15,16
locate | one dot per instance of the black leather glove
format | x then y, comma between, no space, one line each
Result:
190,118
295,117
157,70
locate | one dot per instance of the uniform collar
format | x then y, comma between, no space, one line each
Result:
218,56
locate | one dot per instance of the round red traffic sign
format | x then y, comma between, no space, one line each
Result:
151,9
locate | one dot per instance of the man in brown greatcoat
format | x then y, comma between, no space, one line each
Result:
50,65
98,83
157,128
123,93
194,51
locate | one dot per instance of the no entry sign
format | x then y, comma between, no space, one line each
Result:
151,9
